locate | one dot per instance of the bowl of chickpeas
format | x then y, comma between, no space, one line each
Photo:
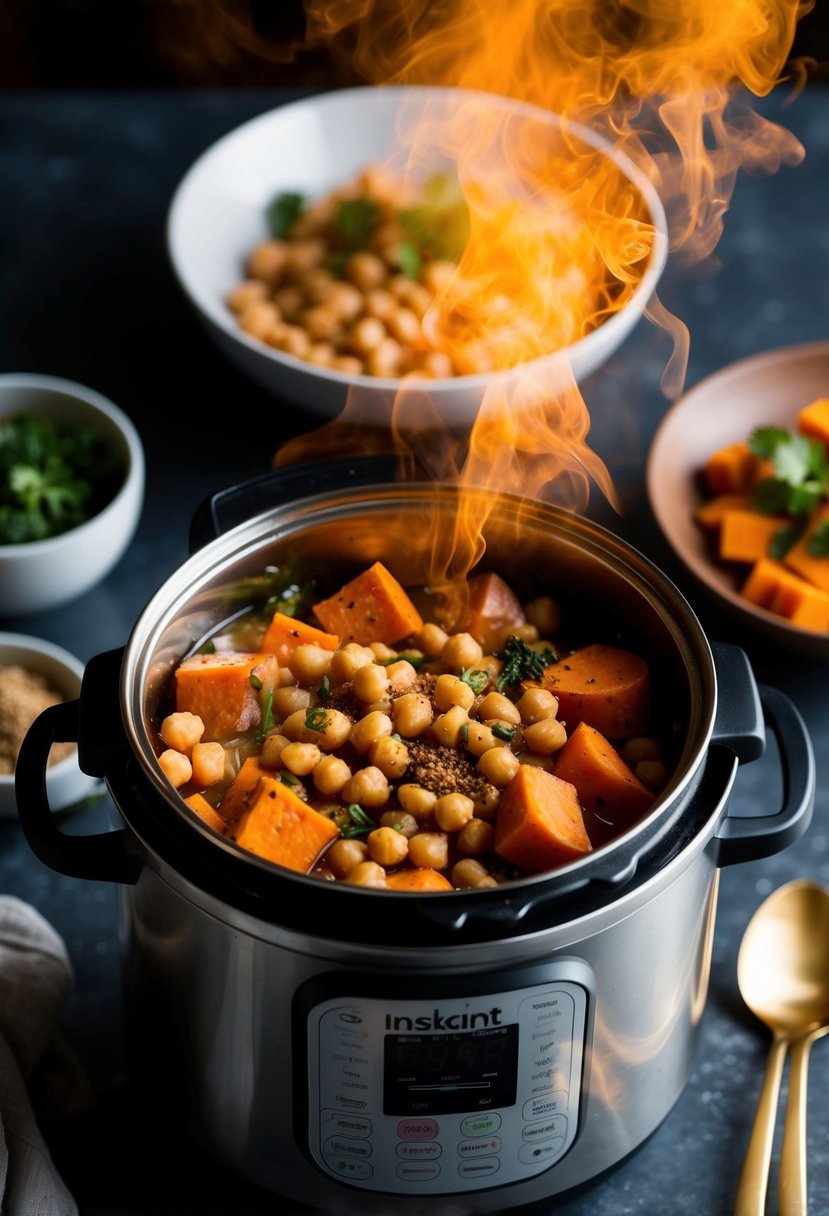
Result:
325,246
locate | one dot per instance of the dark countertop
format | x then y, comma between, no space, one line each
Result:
87,294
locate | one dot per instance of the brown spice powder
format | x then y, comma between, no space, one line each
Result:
445,771
24,695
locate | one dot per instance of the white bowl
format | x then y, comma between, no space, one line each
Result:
39,575
218,214
65,782
761,390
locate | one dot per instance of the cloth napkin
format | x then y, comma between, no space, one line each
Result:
35,981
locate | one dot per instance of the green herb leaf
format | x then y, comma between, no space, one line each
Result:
411,263
267,723
801,472
289,779
255,682
356,220
475,678
284,212
207,648
463,733
770,497
503,732
784,538
416,660
361,824
765,440
335,263
818,545
438,225
521,662
316,719
324,690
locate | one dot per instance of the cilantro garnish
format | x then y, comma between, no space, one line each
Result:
361,824
475,678
818,545
324,690
503,732
416,660
521,662
356,220
284,212
267,723
801,472
316,719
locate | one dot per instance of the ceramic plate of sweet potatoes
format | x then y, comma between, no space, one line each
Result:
738,481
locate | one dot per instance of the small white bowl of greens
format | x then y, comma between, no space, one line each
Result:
72,477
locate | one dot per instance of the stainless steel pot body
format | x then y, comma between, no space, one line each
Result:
297,1021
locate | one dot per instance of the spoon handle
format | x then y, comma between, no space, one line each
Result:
751,1192
793,1194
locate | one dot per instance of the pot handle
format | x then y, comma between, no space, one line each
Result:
105,856
749,838
236,504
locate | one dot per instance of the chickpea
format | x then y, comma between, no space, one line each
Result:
496,707
208,762
490,666
451,690
321,323
391,756
404,325
368,786
344,855
537,704
429,850
452,811
380,304
182,730
476,837
302,256
419,299
348,660
461,651
386,846
331,775
259,319
329,728
371,683
486,805
267,262
447,728
431,639
545,737
401,821
349,365
288,700
363,733
382,652
347,301
652,773
480,738
309,662
498,765
435,364
384,359
289,301
249,292
417,801
635,750
291,339
401,675
322,354
272,747
317,285
545,614
537,760
438,274
295,727
412,714
367,335
176,767
366,874
365,270
470,873
300,758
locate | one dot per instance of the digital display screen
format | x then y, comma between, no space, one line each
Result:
449,1073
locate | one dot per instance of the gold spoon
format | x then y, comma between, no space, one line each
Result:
783,976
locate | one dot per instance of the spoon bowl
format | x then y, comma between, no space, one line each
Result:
783,977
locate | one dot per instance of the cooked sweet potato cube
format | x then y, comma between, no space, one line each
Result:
804,605
373,607
765,579
709,514
745,535
199,804
240,791
604,781
285,633
813,420
731,469
282,828
493,608
540,823
224,689
815,570
604,686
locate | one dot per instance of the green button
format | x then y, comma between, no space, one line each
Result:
480,1125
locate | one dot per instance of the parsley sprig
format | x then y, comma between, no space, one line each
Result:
360,823
799,484
521,662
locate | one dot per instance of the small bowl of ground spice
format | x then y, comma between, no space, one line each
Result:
35,674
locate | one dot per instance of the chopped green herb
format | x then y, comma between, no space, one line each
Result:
521,662
411,263
255,682
356,220
324,690
784,538
439,224
335,263
284,212
801,472
316,719
416,660
818,545
267,723
503,732
475,678
361,824
207,648
463,733
288,778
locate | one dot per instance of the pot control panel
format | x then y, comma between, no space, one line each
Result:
444,1093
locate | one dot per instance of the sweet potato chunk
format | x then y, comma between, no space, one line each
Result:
199,804
813,420
285,633
540,824
282,828
604,686
731,469
604,782
240,791
745,535
373,607
710,514
493,607
803,604
224,690
764,579
418,880
815,570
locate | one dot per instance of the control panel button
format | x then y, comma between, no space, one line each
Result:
479,1148
335,1121
341,1146
480,1125
420,1171
479,1168
554,1103
351,1171
556,1126
532,1154
417,1129
414,1150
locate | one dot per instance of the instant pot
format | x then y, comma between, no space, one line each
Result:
370,1051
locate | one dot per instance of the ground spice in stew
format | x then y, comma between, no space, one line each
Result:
23,696
445,771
